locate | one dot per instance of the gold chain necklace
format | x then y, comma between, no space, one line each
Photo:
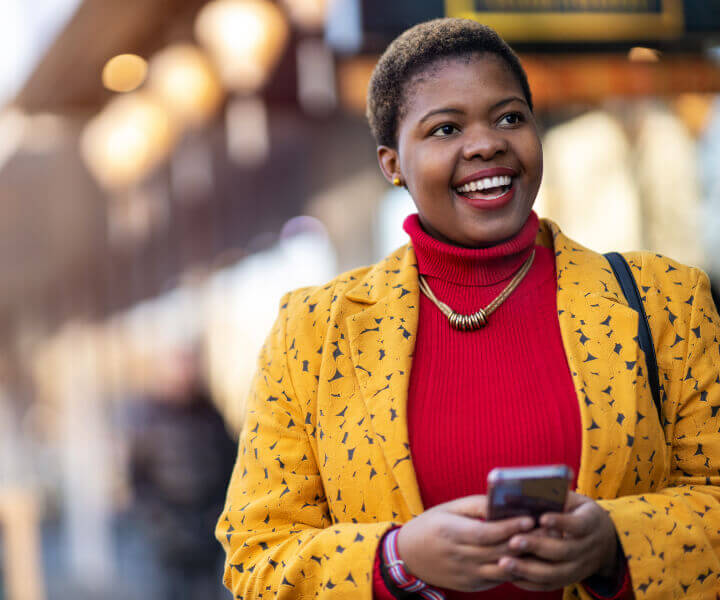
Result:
480,318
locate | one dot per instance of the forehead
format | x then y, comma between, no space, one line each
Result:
460,81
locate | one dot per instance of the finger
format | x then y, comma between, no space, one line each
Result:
546,547
468,506
574,500
549,575
544,531
484,576
471,556
492,533
579,523
553,533
458,530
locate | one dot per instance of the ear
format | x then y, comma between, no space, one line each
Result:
389,162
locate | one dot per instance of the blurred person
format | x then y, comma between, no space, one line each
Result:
180,458
377,411
667,223
709,155
603,173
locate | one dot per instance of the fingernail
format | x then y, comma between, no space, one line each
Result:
526,523
549,522
519,544
510,565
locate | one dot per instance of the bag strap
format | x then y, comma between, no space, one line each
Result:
629,287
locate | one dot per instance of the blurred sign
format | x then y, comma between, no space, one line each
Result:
575,20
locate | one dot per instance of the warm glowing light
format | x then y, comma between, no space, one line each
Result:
640,54
124,73
245,38
308,14
695,110
183,78
127,140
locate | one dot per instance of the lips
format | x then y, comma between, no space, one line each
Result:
489,188
486,184
491,172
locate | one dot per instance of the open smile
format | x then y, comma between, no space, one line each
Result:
488,188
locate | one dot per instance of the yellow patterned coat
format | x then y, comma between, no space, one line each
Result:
324,466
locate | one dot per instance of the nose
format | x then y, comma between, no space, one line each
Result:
484,143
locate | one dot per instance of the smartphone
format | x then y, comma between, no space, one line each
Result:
533,491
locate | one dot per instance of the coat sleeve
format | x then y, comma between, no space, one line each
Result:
276,528
671,537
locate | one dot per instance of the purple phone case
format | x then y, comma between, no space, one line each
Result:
533,491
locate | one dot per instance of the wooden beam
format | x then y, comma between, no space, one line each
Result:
559,80
68,77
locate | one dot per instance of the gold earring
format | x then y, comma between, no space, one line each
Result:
397,181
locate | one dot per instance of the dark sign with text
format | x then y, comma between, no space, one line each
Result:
651,7
578,20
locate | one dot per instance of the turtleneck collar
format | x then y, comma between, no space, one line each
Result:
471,266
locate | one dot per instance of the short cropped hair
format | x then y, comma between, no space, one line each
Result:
414,51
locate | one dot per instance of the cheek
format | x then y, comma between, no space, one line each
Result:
433,166
532,156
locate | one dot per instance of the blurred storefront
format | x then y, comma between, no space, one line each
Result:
170,168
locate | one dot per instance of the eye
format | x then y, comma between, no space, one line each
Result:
514,118
444,130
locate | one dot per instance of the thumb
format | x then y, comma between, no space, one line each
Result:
469,506
575,500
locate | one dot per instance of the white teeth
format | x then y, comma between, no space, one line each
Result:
485,183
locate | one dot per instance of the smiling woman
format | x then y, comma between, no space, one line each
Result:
464,128
385,398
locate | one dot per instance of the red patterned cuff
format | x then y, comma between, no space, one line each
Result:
397,575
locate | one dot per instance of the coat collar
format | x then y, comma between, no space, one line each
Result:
597,327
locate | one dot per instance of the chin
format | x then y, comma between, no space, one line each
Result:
488,227
489,234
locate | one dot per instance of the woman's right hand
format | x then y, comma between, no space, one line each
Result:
450,546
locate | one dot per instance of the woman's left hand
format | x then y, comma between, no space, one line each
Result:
569,548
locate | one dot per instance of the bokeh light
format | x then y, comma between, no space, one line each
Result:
127,140
124,73
184,79
246,39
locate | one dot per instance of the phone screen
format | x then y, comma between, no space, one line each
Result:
532,491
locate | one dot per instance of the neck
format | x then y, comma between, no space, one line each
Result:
471,266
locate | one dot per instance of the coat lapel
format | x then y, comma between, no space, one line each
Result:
599,332
382,341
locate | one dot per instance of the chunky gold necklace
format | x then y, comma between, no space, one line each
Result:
480,318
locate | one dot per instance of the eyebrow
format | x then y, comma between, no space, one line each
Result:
451,110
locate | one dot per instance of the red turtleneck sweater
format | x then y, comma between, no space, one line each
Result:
499,396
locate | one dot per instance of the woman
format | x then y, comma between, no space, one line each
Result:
375,416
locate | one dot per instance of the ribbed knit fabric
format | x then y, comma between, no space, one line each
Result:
499,396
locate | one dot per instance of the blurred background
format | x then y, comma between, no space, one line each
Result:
169,168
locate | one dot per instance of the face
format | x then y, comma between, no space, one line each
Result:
468,151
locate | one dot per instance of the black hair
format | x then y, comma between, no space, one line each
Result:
417,49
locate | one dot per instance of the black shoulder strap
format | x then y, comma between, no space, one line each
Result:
632,294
